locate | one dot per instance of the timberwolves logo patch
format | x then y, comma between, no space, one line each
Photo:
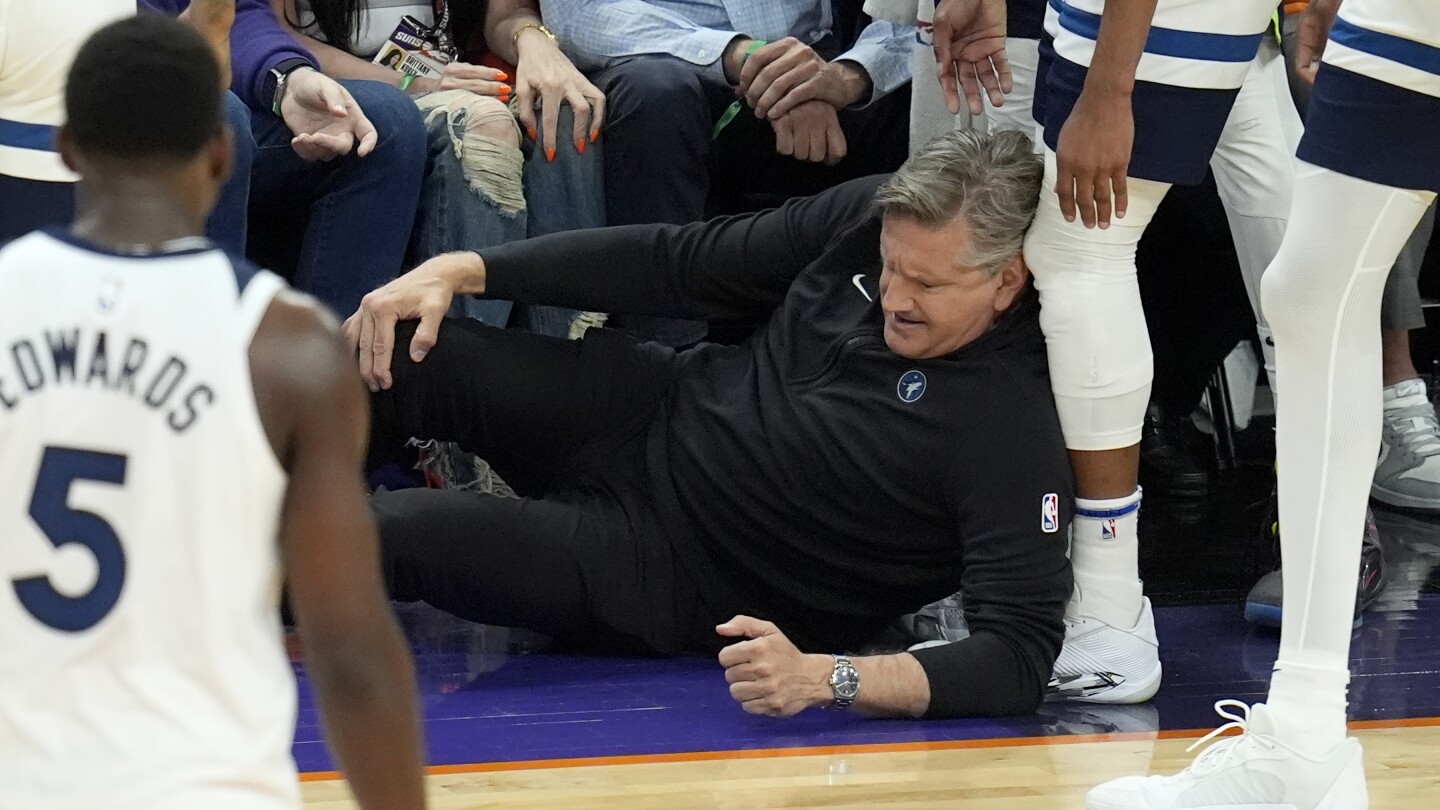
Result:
1050,513
911,387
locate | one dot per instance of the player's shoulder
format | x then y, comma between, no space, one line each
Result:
299,339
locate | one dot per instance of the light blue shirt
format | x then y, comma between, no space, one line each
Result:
600,33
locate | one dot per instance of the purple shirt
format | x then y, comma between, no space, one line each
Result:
257,44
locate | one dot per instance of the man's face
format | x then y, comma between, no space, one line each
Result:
933,303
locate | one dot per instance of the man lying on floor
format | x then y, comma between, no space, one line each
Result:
885,439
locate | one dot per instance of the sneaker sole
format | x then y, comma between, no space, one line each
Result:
1138,690
1403,501
1270,615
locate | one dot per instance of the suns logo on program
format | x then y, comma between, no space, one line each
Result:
1050,513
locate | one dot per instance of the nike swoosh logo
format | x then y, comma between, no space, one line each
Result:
856,279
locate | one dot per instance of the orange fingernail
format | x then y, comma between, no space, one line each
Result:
504,77
533,136
505,99
580,146
595,136
550,155
504,89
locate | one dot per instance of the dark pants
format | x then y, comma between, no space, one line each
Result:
586,558
662,163
338,229
34,204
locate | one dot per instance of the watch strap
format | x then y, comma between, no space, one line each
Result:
280,73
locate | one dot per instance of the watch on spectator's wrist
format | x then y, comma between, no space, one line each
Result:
844,683
282,72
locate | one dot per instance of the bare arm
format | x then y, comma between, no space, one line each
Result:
1095,144
769,675
317,416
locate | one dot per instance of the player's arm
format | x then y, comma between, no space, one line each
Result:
1315,28
316,412
1094,148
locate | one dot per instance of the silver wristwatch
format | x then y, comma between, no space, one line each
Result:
844,683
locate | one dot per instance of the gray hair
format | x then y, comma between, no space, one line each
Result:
991,182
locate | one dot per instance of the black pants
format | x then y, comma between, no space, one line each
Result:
585,557
663,163
33,204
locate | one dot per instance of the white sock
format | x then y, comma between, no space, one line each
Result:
1322,300
1104,551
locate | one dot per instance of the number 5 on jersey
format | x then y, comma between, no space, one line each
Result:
60,469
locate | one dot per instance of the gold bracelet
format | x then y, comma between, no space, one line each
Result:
515,37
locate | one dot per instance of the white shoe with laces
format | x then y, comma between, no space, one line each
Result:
1408,472
1102,663
1252,771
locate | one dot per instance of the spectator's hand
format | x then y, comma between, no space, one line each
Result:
324,118
970,42
424,293
213,20
787,73
810,132
1094,157
769,675
1314,31
546,75
478,79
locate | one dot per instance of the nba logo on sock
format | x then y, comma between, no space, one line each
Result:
1050,513
1107,530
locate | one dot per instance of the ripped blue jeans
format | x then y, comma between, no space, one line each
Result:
455,214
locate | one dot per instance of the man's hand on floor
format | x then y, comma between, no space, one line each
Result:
769,675
425,294
811,132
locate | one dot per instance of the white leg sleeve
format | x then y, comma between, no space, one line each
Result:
1100,363
1322,296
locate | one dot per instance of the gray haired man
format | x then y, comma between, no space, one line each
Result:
886,437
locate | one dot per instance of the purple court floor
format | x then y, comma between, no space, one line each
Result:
487,700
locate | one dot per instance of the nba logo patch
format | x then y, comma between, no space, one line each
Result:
1050,513
911,386
1108,530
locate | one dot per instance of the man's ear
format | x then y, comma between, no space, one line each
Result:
1013,277
220,156
69,152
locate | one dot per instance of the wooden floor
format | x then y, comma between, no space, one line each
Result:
1403,765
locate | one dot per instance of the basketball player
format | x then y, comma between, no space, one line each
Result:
1128,109
1368,171
165,412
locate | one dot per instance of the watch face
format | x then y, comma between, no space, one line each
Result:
846,682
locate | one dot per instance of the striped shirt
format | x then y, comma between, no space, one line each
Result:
1393,41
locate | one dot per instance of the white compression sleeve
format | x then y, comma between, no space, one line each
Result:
1322,296
1100,362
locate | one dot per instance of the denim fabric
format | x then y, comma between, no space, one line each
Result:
341,227
564,195
453,216
226,227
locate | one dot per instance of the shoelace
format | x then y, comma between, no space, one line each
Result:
1217,755
1417,427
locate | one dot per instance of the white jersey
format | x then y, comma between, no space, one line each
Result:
1201,44
142,662
38,43
1394,41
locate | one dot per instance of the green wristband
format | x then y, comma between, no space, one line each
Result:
734,109
407,81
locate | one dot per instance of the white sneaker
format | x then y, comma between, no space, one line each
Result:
1253,771
1101,663
1408,472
